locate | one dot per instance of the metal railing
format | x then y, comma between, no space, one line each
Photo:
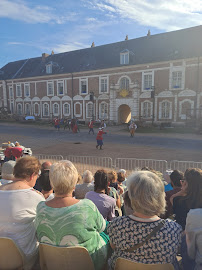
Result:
94,163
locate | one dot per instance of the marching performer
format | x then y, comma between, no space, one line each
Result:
99,138
90,125
132,128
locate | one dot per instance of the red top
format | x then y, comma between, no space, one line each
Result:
99,135
56,122
7,152
16,152
91,124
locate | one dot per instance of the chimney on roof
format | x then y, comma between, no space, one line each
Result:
44,55
93,44
126,37
52,53
149,33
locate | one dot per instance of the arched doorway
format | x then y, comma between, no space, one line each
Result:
124,114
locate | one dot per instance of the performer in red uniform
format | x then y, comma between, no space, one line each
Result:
99,138
90,125
57,123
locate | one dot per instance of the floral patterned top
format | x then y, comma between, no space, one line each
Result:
127,231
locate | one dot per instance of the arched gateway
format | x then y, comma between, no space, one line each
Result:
124,114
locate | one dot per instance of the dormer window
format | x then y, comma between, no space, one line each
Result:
49,68
124,57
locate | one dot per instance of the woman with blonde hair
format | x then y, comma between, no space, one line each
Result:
66,221
143,237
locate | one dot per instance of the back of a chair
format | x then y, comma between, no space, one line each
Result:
10,256
52,257
122,264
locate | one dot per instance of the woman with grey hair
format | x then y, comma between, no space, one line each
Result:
66,221
143,237
82,189
7,172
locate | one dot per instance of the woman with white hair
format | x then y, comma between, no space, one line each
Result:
7,172
143,237
66,221
82,189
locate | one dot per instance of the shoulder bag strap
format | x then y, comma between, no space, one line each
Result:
147,238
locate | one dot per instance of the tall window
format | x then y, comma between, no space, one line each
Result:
12,107
124,83
148,80
60,88
11,92
27,109
103,110
177,79
56,109
50,89
27,90
66,109
147,110
45,109
124,58
84,86
165,110
18,90
19,109
36,109
49,69
89,110
103,84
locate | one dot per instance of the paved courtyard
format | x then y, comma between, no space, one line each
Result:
117,143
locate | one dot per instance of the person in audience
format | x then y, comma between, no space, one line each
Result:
16,151
7,172
8,153
46,166
193,231
189,197
105,204
17,144
125,175
120,180
82,189
175,178
147,197
80,180
112,177
44,182
18,202
66,221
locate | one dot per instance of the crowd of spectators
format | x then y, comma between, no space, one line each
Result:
109,213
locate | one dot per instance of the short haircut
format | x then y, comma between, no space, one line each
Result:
46,165
121,177
146,192
175,177
26,166
7,170
101,180
44,181
63,177
87,176
122,171
112,175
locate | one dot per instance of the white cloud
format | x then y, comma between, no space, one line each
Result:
165,15
19,10
15,43
71,46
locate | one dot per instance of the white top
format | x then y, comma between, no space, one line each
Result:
194,235
17,215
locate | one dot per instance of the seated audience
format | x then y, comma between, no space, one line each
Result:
127,234
125,174
193,231
19,201
16,151
66,221
112,177
7,172
189,197
120,180
105,204
44,167
175,178
8,153
82,189
44,182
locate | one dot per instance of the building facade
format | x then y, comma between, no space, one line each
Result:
154,78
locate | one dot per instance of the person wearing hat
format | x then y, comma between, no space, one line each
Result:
99,138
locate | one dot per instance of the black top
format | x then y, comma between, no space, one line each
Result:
180,209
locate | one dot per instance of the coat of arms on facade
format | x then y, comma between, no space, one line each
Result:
124,93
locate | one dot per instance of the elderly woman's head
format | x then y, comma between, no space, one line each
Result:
87,176
63,177
146,192
26,167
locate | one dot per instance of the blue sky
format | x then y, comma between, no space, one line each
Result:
29,28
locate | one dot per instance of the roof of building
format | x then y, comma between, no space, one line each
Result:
180,44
